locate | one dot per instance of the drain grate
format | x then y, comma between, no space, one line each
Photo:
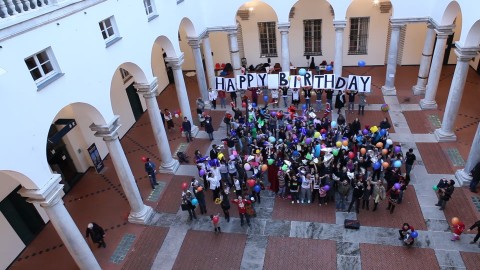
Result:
155,194
435,120
455,157
476,202
181,148
122,249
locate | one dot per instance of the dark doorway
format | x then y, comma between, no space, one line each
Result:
478,68
134,100
60,161
448,48
22,216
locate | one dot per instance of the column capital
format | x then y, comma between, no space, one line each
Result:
108,131
194,42
283,27
48,195
339,25
465,54
443,33
175,62
148,90
396,25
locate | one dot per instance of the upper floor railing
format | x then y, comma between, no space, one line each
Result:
13,8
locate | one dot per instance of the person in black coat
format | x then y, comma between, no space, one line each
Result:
358,190
446,194
96,233
209,127
214,152
340,101
187,129
475,225
351,100
475,178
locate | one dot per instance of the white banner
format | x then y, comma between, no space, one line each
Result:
307,80
262,80
230,85
295,81
220,83
272,81
359,83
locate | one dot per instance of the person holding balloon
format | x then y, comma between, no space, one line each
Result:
216,222
406,234
169,119
458,228
393,194
295,97
242,210
188,202
445,194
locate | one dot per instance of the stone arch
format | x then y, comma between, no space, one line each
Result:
165,43
450,13
188,26
472,38
124,99
251,6
11,178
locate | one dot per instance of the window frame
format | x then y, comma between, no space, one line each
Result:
153,14
314,37
358,42
51,75
111,38
269,30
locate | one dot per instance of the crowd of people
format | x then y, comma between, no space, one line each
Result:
301,155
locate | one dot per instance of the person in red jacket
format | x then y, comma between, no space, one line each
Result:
457,230
406,229
240,202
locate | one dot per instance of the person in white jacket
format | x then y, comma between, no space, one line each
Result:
212,96
214,178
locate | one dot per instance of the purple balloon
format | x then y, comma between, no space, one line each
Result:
201,172
289,127
273,114
326,187
397,149
397,186
308,140
365,131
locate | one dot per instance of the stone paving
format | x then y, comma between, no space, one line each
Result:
282,234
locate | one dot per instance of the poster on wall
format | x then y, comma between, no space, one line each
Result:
96,159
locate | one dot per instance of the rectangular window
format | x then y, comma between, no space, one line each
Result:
358,35
150,9
42,66
109,31
312,36
268,39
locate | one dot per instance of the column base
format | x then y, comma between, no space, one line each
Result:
442,137
195,131
428,105
389,91
170,168
419,90
142,217
463,178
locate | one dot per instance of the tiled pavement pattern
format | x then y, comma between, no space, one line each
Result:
122,248
146,248
476,202
252,248
455,157
155,194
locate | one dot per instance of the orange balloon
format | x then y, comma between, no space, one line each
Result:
455,220
345,143
363,151
379,144
384,151
385,164
199,189
264,167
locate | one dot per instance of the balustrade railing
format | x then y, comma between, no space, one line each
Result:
12,8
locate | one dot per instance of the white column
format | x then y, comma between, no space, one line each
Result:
435,70
197,54
420,87
150,93
389,88
234,52
446,132
463,176
49,197
140,213
176,64
207,52
284,28
338,61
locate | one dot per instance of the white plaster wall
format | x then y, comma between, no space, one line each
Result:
121,105
11,245
309,10
189,63
219,46
158,67
414,41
